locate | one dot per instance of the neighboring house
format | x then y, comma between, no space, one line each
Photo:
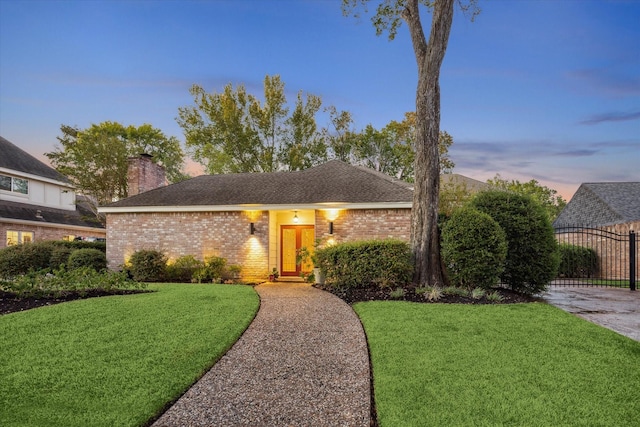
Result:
38,203
603,204
614,209
260,220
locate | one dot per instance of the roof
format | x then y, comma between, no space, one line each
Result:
19,160
472,185
602,203
331,182
80,217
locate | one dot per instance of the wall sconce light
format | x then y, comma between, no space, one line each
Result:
295,217
330,227
252,228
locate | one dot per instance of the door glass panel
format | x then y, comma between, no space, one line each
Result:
288,250
307,240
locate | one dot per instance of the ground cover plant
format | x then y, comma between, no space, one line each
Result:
116,360
517,364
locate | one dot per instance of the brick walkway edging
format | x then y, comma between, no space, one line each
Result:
303,361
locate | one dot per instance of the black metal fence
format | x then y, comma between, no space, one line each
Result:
599,256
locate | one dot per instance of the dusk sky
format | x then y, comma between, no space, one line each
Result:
533,89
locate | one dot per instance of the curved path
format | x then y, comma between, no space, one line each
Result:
302,362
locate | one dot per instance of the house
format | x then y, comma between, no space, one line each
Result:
260,220
603,204
38,203
602,216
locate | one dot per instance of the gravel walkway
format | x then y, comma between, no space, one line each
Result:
302,362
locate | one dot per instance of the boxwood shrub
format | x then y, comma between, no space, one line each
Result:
532,252
147,266
366,263
474,249
184,269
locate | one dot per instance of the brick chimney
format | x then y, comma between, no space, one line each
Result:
144,174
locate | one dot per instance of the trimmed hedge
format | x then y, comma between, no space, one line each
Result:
20,259
366,263
92,258
577,261
532,254
474,249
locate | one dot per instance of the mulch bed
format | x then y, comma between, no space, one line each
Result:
352,296
9,303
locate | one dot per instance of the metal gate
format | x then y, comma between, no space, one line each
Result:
597,257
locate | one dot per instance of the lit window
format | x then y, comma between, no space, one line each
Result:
17,237
17,185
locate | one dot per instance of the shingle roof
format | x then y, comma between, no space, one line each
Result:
17,159
334,181
80,217
602,203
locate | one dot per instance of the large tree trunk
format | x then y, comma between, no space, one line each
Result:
425,238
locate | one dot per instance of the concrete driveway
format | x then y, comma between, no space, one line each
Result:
614,308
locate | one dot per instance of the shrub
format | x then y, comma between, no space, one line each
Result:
366,263
577,261
60,256
474,248
456,291
20,259
397,293
478,293
83,279
147,266
532,252
184,269
93,258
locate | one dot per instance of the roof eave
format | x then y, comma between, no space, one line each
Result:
254,207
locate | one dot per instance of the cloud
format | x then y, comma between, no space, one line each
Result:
611,117
577,153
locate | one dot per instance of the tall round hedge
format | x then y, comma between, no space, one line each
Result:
474,249
532,252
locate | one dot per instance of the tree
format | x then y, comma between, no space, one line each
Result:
425,239
552,203
233,131
95,159
391,150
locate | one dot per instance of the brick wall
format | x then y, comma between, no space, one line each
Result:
143,174
43,232
365,224
200,234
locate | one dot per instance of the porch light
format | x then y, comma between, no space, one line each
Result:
330,227
252,228
295,217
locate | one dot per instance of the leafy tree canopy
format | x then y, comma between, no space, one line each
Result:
233,131
552,203
95,159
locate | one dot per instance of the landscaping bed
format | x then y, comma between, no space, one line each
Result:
354,295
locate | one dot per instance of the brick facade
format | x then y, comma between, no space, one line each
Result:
366,224
44,232
201,234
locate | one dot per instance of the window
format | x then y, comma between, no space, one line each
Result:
16,185
17,237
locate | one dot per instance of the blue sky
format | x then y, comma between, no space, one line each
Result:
533,89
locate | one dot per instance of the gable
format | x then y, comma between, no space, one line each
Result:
16,159
596,204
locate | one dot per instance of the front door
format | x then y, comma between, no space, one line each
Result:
292,238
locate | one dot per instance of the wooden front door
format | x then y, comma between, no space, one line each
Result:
292,238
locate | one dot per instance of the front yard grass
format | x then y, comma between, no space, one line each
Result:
521,364
118,360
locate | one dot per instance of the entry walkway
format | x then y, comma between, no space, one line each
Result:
614,308
302,362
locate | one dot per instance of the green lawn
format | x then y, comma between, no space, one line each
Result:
494,365
115,361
